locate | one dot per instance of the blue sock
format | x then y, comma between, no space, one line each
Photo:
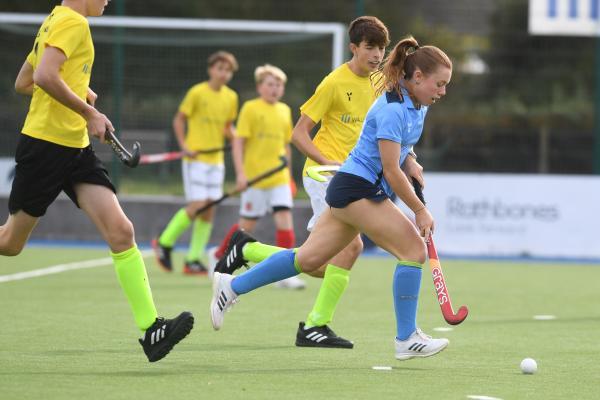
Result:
406,285
275,268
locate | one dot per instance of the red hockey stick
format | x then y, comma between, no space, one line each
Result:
439,282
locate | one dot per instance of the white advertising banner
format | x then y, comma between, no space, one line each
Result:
7,166
564,17
555,216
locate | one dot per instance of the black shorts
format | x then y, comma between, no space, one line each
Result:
44,169
346,188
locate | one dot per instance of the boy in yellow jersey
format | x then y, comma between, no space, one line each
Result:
207,111
54,154
263,135
340,103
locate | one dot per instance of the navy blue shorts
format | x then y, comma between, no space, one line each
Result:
346,188
44,169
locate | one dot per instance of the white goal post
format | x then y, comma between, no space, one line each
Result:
337,30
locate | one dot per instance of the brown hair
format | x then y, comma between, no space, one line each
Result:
370,29
404,59
223,56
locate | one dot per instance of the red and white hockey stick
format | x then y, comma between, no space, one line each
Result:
439,283
175,155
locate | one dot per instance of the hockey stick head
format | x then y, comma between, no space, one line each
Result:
131,159
316,171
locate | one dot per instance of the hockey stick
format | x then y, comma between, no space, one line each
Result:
315,172
251,182
438,277
131,159
176,155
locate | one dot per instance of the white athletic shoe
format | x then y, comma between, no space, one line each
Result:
223,298
419,345
293,283
212,260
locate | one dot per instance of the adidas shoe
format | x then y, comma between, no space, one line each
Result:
320,336
233,258
419,345
223,298
293,282
194,268
163,255
160,338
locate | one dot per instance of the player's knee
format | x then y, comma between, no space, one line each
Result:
122,234
355,248
417,254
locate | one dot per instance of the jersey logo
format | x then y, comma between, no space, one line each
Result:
86,68
349,94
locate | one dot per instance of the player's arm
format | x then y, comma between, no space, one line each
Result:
229,130
179,125
390,160
24,81
47,77
413,169
237,151
303,142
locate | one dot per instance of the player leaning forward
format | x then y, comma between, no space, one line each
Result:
340,103
359,198
54,154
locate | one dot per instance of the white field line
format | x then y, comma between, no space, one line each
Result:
57,269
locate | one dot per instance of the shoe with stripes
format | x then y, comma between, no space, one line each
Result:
419,345
160,338
233,258
223,298
320,336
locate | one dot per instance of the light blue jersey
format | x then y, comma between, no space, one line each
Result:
393,118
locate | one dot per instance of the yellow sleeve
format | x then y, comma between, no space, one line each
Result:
244,124
67,35
31,58
320,102
188,103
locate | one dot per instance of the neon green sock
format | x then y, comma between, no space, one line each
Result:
132,276
178,224
334,284
200,235
257,252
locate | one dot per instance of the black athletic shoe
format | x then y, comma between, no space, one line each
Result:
163,255
194,268
233,258
160,338
320,336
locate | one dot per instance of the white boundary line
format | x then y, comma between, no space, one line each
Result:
57,269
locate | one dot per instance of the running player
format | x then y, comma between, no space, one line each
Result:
54,154
359,198
340,103
207,112
263,135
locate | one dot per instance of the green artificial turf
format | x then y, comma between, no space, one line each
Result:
71,336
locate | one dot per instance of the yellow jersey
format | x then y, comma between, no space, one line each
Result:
340,102
48,119
208,111
267,129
